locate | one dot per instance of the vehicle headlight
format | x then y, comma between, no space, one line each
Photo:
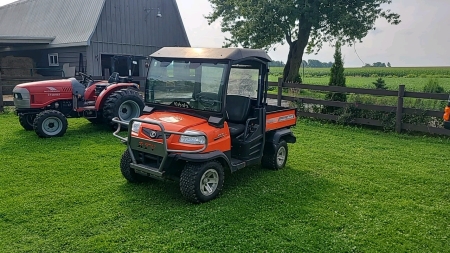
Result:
135,127
187,139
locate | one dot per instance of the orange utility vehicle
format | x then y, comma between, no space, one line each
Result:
206,111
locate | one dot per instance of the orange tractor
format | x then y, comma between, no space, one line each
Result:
206,111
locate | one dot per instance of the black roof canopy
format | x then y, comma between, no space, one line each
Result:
232,54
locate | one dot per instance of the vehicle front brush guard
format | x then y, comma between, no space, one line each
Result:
154,147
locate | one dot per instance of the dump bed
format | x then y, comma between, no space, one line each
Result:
278,117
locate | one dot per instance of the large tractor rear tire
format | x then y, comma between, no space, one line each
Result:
124,104
127,172
50,123
202,182
26,121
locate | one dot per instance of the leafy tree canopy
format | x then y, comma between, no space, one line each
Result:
304,24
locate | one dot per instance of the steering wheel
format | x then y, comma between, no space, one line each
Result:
207,99
85,77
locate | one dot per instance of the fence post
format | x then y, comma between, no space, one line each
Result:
280,91
1,95
399,113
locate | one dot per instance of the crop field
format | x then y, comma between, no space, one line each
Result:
344,189
438,72
413,78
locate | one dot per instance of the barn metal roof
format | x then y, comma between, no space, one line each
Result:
211,53
69,22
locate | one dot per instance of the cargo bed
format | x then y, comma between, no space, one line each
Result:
280,117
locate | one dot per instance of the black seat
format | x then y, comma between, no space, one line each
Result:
238,109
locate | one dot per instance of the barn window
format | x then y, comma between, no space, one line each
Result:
53,60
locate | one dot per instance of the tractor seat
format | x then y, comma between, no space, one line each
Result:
77,87
238,109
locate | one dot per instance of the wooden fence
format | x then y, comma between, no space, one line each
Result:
399,109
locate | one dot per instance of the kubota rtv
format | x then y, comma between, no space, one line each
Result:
206,112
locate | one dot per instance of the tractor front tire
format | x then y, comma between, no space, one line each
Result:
127,172
26,121
202,182
124,104
275,157
50,123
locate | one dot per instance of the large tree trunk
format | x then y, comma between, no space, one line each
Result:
295,57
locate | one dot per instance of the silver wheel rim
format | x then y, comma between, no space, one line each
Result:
52,126
209,182
128,110
281,156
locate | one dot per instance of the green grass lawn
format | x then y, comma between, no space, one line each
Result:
344,189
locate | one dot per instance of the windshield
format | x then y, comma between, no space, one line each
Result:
186,84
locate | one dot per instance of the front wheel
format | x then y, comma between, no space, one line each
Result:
275,158
127,172
202,182
26,121
50,123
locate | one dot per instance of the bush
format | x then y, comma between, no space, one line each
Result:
433,86
380,84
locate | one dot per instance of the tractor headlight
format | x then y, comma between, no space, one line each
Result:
196,140
135,127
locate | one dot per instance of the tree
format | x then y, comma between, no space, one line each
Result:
379,64
380,84
303,24
389,64
337,75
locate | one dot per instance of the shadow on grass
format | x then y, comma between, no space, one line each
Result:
249,184
273,208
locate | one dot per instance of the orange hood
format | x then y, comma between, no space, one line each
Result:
172,121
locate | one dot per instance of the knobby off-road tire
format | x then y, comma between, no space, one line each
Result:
50,123
127,172
275,158
202,182
26,121
125,104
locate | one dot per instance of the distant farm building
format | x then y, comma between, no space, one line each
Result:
62,37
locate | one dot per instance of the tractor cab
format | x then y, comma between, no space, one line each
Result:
205,111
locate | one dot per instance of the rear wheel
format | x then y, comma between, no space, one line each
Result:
127,172
50,123
26,121
202,182
125,104
275,157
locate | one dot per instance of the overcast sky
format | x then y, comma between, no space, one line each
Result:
421,39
